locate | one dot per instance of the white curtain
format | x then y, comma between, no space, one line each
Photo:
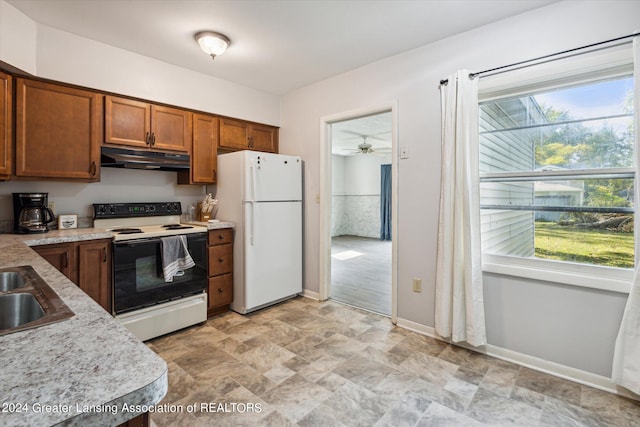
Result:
459,291
626,356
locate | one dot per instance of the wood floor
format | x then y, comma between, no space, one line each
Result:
361,272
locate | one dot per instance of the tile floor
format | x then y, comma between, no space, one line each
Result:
325,364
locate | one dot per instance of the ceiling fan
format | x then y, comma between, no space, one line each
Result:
365,148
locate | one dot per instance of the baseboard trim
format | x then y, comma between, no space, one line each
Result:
532,362
310,294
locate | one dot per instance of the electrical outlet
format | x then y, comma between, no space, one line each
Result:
417,285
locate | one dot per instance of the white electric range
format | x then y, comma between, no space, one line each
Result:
143,301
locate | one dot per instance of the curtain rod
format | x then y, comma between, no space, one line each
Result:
479,73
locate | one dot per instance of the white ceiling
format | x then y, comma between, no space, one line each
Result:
375,129
277,45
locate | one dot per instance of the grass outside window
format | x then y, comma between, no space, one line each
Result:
573,244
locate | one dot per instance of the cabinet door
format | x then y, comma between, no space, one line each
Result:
94,271
220,291
264,138
220,259
222,236
170,129
204,152
58,131
5,126
61,256
127,122
234,134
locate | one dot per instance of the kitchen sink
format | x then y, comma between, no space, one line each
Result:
10,280
18,309
26,301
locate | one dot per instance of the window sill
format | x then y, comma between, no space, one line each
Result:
582,275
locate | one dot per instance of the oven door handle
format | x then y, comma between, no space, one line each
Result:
154,240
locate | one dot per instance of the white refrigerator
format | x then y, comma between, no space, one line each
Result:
262,194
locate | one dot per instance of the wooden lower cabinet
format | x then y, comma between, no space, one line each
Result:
141,420
87,264
94,271
62,256
220,291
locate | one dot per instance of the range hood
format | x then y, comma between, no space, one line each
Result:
143,159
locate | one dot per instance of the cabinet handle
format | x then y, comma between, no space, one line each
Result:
147,138
220,236
250,142
215,176
93,169
220,259
153,139
104,254
220,290
66,260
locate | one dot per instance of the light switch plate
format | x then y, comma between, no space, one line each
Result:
404,152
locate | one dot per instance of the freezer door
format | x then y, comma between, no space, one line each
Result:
272,177
273,252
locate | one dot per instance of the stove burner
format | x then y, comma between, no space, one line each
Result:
176,226
126,230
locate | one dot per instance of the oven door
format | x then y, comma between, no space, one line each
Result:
137,273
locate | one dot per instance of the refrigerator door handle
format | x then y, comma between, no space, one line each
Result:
253,181
251,234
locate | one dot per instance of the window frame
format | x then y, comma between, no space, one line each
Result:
583,69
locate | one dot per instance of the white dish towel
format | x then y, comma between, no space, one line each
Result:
175,257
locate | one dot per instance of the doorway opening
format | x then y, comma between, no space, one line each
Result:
361,261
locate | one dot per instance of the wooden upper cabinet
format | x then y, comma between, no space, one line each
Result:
58,131
5,126
264,138
204,157
127,122
143,125
234,134
241,135
170,128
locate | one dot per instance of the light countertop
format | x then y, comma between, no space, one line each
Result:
86,370
213,225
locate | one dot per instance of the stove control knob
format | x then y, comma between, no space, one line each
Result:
112,210
151,208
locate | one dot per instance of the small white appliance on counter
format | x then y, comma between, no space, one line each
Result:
262,194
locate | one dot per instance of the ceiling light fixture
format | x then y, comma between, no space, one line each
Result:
212,43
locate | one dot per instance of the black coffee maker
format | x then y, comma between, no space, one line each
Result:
30,213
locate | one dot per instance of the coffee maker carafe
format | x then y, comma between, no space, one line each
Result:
30,212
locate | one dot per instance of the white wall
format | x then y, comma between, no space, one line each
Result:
362,174
66,57
337,175
116,185
355,201
412,79
17,38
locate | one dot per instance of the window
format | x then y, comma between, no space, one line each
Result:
557,171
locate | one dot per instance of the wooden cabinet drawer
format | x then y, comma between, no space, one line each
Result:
220,259
222,236
220,290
